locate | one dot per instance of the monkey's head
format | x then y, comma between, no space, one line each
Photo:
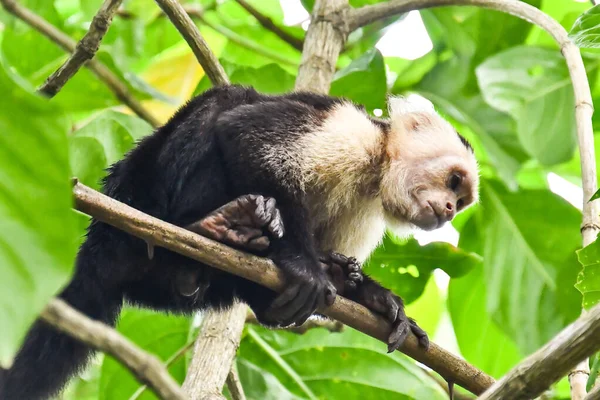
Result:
430,173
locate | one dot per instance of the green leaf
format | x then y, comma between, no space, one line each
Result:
363,81
480,340
320,364
595,196
88,161
410,72
405,267
532,85
38,229
260,384
588,281
116,133
270,78
529,265
565,12
160,334
586,30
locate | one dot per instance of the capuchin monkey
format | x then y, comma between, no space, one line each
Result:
321,181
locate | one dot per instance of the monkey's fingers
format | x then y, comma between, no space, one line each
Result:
293,304
400,330
276,225
419,333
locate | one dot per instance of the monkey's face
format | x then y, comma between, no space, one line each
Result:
431,173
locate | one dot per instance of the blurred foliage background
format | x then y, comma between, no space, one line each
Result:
506,288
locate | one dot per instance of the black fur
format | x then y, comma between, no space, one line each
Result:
210,152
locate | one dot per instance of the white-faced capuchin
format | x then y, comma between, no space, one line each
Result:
339,178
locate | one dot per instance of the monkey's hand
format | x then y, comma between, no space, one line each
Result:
344,272
386,303
244,223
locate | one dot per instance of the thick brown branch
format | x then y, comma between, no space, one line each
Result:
100,70
192,36
85,49
268,24
326,36
264,272
147,368
553,361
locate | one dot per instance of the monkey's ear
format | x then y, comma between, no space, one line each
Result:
399,105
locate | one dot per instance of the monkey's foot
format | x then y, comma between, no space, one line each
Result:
245,223
345,272
385,302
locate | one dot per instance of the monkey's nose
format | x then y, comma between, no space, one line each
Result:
449,211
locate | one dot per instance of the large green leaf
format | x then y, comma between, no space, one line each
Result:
363,81
529,239
159,334
270,78
38,229
320,364
532,85
406,266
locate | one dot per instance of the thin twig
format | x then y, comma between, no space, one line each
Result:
66,43
85,49
192,36
330,325
174,357
537,372
264,272
146,367
269,25
234,385
249,44
583,106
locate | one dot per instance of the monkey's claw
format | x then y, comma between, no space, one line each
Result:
245,223
391,306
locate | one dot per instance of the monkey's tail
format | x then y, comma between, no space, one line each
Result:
47,358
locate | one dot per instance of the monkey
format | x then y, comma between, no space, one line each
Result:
339,177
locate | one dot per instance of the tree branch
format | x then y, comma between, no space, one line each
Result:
264,272
85,49
234,385
66,43
214,352
147,368
268,24
192,36
537,372
583,106
326,36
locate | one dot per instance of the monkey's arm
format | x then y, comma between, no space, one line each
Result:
359,287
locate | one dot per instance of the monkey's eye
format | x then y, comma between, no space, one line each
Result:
455,180
459,204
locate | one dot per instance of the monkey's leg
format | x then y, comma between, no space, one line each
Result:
359,287
244,223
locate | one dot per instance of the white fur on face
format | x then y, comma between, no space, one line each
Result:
336,163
